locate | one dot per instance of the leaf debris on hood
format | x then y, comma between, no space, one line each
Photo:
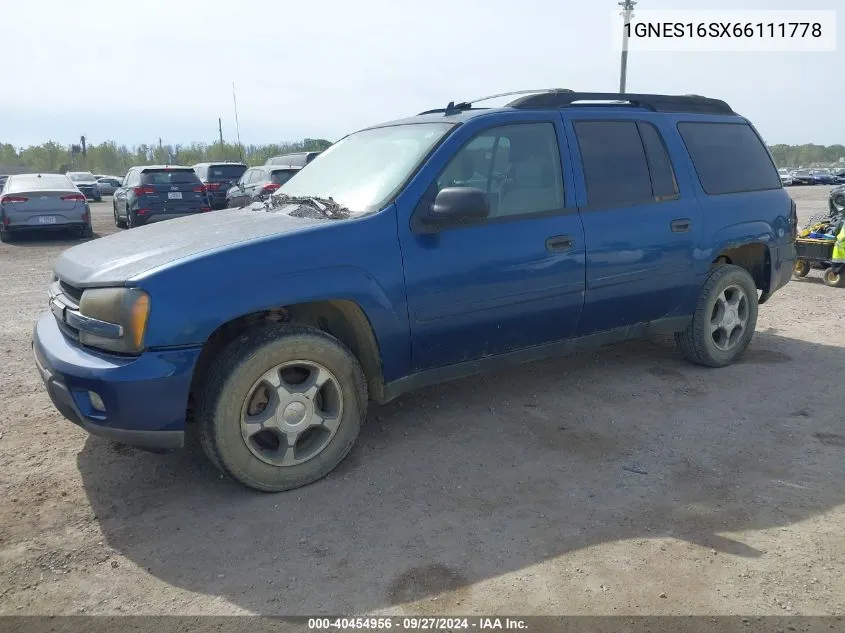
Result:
308,207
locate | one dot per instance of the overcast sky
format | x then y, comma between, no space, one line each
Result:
136,71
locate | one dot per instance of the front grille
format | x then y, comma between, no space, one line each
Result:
63,297
71,292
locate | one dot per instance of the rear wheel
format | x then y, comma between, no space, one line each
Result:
801,268
282,407
833,278
87,232
5,236
724,318
130,220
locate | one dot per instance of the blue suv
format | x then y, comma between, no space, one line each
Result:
153,193
416,252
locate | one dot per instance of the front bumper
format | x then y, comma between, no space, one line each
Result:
145,397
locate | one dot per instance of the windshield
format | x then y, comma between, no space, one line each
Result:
169,177
281,176
226,172
362,171
34,182
801,172
81,176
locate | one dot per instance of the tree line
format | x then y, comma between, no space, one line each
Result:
808,155
111,158
114,159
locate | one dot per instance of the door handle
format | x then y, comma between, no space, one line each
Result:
681,225
559,243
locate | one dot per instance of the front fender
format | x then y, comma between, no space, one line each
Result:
354,260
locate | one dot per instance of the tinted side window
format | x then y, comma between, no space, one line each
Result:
615,168
517,166
728,157
663,183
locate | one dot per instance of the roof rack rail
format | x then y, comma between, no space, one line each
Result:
455,108
658,103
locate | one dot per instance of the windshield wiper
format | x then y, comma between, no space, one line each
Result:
325,207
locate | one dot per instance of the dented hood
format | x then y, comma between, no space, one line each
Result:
116,259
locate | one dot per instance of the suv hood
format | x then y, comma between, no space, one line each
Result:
117,258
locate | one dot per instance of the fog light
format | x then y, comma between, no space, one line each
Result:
96,401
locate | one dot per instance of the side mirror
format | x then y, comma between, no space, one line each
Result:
459,205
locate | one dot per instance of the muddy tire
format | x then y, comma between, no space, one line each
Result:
801,268
833,279
724,320
281,407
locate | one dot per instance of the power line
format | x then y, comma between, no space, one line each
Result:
627,13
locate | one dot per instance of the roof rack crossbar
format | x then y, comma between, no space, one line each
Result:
454,108
657,103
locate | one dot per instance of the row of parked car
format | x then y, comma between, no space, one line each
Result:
148,193
791,177
151,193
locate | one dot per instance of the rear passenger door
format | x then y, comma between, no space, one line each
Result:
121,196
642,221
240,196
252,185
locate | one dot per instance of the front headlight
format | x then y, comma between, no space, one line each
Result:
128,308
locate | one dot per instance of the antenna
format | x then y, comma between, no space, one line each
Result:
237,125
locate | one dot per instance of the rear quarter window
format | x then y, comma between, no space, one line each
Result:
728,157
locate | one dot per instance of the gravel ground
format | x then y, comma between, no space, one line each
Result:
623,481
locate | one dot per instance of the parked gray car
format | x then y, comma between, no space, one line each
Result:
86,182
107,185
42,202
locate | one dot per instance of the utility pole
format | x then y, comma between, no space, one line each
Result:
220,127
627,13
237,125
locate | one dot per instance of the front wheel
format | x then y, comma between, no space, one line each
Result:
282,407
724,318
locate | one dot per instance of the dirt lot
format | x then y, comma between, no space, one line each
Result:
623,481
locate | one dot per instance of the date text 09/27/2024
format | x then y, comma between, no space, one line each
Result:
417,623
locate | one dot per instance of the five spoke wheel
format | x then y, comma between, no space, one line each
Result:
291,413
729,318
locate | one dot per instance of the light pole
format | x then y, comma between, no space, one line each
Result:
627,13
